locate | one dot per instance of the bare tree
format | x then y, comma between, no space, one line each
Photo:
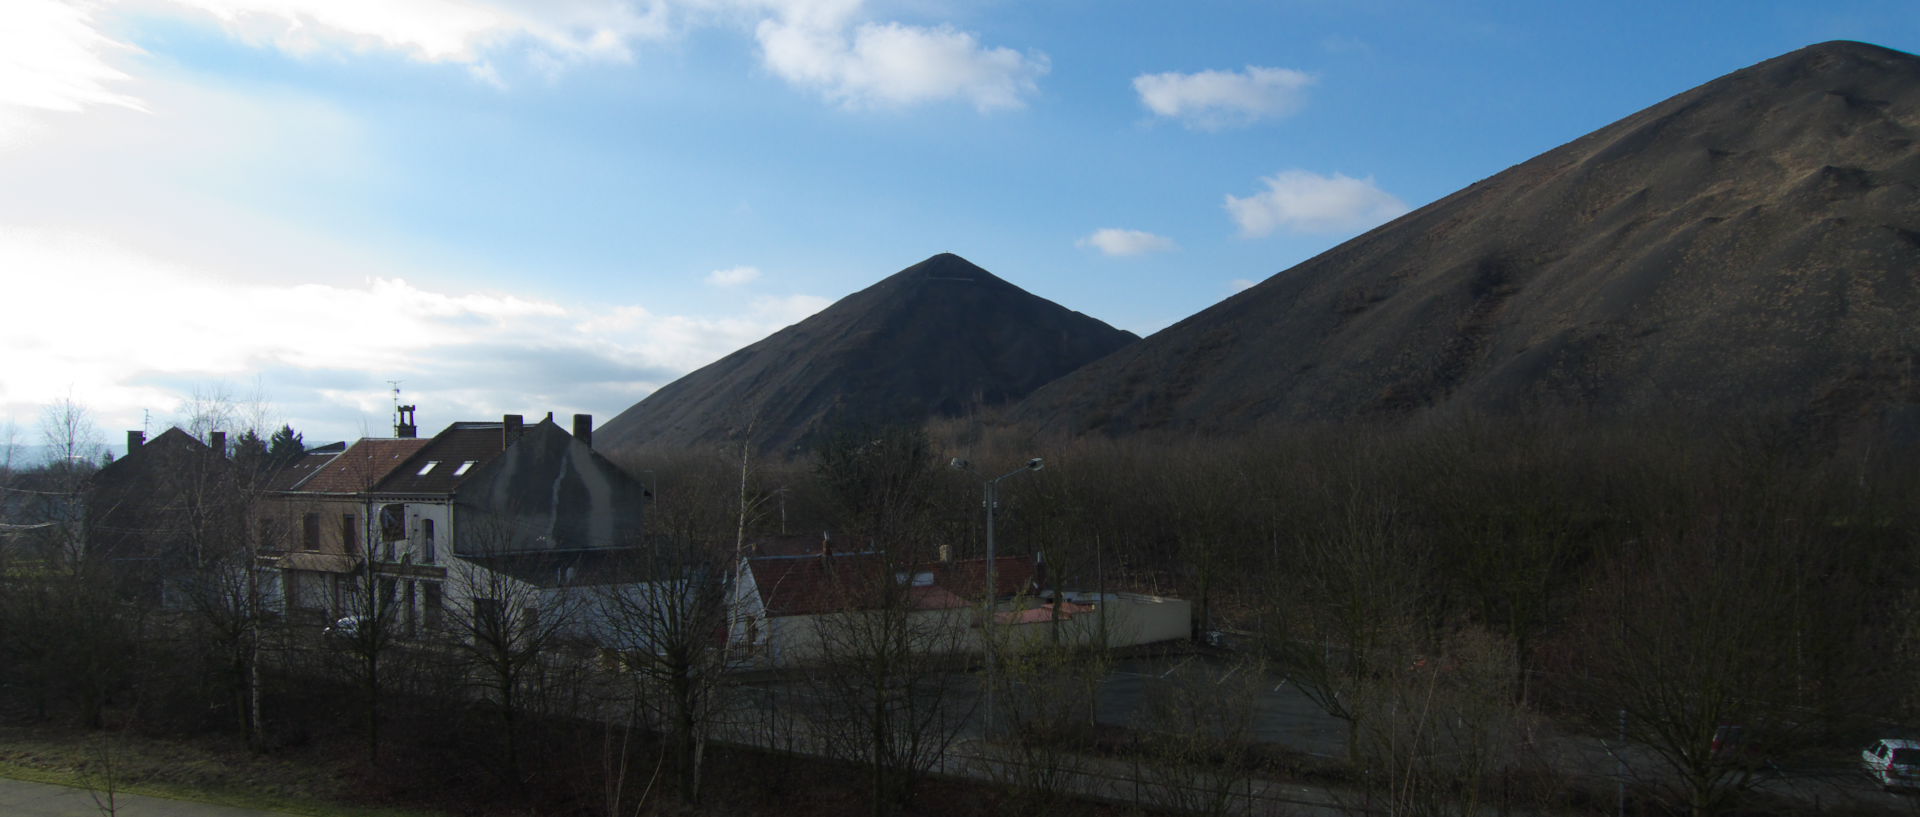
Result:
221,592
889,698
367,636
1445,730
665,624
1196,748
510,626
211,407
1725,649
1048,699
1352,608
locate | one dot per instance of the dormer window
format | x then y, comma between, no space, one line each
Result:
462,470
428,467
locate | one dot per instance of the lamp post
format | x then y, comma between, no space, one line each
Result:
993,589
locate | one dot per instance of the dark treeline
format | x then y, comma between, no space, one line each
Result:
1692,584
1453,593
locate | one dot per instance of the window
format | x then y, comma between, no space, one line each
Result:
393,522
407,611
431,608
462,470
310,532
486,619
349,533
427,554
424,469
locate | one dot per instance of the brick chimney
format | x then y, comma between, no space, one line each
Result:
510,427
583,429
135,439
217,440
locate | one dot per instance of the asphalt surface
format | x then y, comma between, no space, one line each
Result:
19,798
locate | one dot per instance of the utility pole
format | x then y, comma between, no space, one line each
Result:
993,589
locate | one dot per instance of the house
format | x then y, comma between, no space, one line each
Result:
786,606
481,492
427,525
576,584
168,508
787,602
313,522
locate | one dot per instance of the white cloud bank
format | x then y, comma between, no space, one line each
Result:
1211,100
124,332
455,31
1301,201
53,55
1117,242
52,58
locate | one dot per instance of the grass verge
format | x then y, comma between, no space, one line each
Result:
205,772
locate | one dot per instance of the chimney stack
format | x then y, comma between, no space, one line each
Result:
135,439
403,426
510,426
583,429
217,440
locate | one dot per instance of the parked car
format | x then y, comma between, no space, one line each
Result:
1894,762
347,627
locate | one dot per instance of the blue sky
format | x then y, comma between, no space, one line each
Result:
559,205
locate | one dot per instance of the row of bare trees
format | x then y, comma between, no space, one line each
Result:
1456,595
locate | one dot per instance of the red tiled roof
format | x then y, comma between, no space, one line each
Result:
798,545
362,466
807,585
1011,575
1044,612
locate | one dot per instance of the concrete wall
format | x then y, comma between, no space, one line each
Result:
1121,619
810,639
1134,618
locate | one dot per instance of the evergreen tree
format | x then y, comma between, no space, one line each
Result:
249,449
286,445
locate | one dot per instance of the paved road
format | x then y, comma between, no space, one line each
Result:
19,798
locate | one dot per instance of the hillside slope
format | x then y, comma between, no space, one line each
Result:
939,338
1748,245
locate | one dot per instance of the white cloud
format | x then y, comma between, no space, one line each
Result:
1241,284
154,328
825,45
891,64
1209,100
733,276
1115,241
52,58
1301,201
452,31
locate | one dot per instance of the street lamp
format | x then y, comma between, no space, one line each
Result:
993,589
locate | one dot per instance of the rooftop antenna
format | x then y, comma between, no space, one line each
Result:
403,425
